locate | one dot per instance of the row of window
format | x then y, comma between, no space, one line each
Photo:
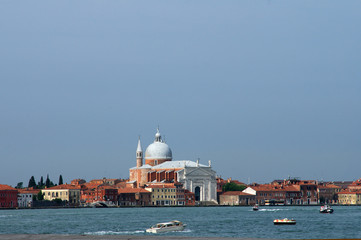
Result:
165,190
172,196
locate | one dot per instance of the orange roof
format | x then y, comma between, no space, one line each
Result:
33,191
107,187
237,193
328,186
6,187
132,190
63,186
356,183
275,187
91,185
161,186
350,192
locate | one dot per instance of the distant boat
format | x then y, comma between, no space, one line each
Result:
167,227
326,209
255,207
284,221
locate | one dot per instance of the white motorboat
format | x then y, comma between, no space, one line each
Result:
326,209
167,227
255,207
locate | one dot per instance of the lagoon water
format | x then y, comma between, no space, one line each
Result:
240,222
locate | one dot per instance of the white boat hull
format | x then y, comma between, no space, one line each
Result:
165,229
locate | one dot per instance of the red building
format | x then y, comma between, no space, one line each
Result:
8,197
92,193
189,198
355,186
134,197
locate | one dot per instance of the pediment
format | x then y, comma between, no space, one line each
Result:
199,172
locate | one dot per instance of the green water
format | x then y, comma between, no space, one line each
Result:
201,221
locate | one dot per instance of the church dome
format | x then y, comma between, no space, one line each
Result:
158,149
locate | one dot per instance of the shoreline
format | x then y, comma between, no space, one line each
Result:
128,237
110,237
200,206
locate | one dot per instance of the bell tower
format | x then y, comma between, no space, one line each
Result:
139,154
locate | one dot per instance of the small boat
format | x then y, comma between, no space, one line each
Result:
255,207
326,209
284,221
167,227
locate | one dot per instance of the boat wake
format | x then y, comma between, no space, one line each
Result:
271,210
114,233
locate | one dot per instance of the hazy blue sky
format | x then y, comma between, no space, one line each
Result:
263,89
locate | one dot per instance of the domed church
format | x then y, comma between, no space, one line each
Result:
160,168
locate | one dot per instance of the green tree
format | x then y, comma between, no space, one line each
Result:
40,196
32,182
233,187
19,185
41,183
58,201
48,183
60,180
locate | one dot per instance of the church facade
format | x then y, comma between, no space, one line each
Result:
159,168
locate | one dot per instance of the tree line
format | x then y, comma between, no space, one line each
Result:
41,184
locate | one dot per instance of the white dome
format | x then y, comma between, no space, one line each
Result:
158,150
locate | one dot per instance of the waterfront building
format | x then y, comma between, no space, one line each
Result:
65,192
355,186
327,193
221,182
288,192
274,194
237,198
94,193
159,167
163,194
308,190
348,197
189,198
8,196
26,197
342,184
134,197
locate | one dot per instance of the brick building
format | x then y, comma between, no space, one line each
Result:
8,196
92,193
327,193
134,197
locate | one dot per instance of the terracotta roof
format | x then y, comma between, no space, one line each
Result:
275,187
6,187
350,192
328,186
236,193
107,187
63,186
132,190
356,183
91,185
33,191
161,186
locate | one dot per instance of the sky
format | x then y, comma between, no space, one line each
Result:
265,89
